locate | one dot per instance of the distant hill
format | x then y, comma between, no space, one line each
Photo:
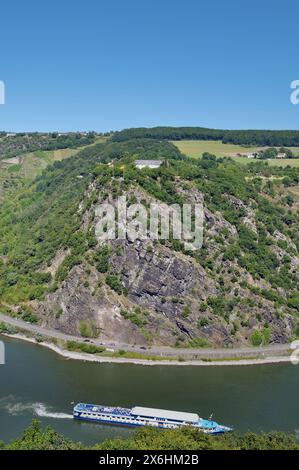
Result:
18,166
269,138
12,145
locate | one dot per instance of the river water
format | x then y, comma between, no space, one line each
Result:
37,383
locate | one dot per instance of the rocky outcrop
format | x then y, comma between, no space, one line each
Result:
75,304
165,296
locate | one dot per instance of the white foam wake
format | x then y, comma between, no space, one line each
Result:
41,410
13,407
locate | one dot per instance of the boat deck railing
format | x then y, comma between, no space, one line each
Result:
103,409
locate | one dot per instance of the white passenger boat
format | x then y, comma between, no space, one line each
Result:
140,416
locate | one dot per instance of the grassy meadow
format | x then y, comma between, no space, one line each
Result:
195,149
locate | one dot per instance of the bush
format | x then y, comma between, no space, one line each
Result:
88,329
9,329
186,311
256,338
136,317
293,302
101,259
114,281
86,348
28,316
259,338
199,343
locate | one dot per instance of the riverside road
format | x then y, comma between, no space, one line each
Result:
163,351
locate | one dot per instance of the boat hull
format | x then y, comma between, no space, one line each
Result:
108,422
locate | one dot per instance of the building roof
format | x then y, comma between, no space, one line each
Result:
148,162
167,414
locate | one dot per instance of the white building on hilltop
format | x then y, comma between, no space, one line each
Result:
148,164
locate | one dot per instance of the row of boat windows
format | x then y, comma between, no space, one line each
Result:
132,420
173,420
112,418
127,416
139,420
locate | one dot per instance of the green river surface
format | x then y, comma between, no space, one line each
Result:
37,383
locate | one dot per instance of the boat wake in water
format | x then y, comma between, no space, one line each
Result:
15,408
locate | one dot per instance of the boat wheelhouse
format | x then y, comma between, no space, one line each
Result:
140,416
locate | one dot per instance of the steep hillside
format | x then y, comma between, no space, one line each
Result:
241,287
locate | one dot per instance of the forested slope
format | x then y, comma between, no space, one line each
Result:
242,137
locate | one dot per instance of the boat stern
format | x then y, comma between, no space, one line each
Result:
77,410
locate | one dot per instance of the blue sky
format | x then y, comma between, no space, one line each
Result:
101,65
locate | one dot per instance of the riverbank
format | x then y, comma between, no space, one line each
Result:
134,351
79,356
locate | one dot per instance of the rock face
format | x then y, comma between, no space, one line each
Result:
154,278
158,281
159,295
74,306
